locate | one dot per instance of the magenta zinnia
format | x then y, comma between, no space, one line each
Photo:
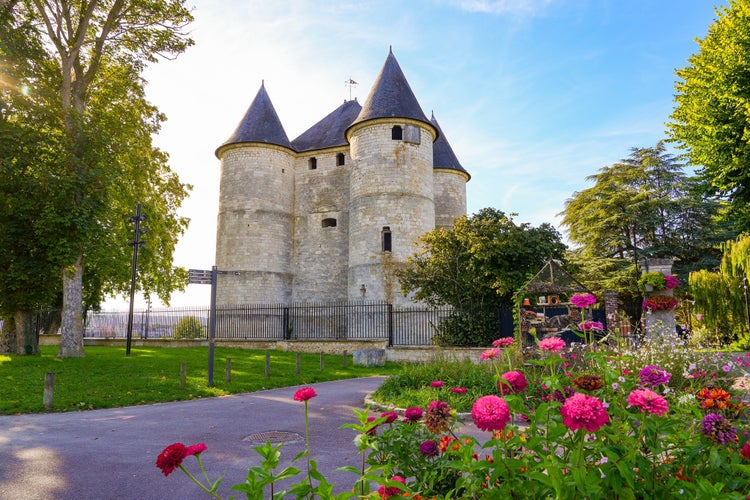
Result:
490,413
654,376
584,412
590,325
582,301
648,401
512,383
304,394
389,491
552,344
717,428
437,384
413,414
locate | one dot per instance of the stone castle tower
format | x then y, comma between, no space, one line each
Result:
327,217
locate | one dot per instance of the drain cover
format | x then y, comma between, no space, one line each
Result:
273,437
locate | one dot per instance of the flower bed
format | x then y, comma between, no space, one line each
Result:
567,425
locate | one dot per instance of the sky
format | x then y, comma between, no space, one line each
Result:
532,95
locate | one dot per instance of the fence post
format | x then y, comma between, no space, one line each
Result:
298,363
229,370
268,365
49,390
285,324
322,361
390,325
183,374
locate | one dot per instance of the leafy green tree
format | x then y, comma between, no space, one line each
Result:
645,206
106,163
711,120
476,267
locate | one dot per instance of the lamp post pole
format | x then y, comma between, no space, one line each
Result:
136,243
747,303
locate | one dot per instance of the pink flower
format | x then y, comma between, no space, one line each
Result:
582,301
490,354
552,344
671,282
699,317
584,412
503,342
654,376
438,417
196,449
413,414
648,401
304,394
437,384
429,448
388,491
512,383
459,390
590,325
490,413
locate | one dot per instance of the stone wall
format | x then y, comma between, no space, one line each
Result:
450,196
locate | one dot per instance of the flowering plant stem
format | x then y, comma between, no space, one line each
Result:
202,486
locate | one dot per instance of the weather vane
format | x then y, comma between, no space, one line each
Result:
350,83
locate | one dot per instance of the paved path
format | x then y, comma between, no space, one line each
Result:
111,454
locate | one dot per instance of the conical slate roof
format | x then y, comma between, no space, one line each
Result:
391,96
330,131
442,153
260,124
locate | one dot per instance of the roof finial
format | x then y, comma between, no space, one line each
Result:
350,83
390,49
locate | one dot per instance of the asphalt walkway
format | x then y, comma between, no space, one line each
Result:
111,454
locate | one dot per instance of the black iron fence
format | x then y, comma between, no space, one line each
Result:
339,321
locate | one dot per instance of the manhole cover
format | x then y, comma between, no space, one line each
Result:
273,437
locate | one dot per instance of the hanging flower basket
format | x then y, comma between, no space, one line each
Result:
660,303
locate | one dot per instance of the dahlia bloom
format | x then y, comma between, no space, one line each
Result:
654,376
503,342
718,429
389,491
437,418
648,401
173,455
490,354
584,412
552,344
512,383
429,448
490,413
304,394
582,301
413,414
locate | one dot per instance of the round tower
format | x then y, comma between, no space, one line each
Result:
254,227
390,185
450,181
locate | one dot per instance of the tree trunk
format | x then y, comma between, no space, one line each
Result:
8,336
71,340
27,341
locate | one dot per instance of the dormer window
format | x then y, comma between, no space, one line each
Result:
339,159
386,241
397,133
313,163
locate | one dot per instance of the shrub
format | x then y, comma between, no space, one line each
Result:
189,327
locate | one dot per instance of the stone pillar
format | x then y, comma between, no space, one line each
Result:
611,309
658,323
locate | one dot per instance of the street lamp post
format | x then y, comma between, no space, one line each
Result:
747,303
137,242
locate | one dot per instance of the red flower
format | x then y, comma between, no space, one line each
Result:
388,491
304,394
390,416
512,383
173,455
583,412
745,451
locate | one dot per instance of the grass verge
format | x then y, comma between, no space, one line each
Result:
106,378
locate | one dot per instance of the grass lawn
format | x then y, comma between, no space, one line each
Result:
106,378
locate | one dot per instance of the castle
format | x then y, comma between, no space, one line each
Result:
327,216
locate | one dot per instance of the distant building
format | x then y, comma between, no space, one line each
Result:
327,216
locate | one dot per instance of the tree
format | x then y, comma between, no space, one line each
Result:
643,206
711,120
476,267
106,160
